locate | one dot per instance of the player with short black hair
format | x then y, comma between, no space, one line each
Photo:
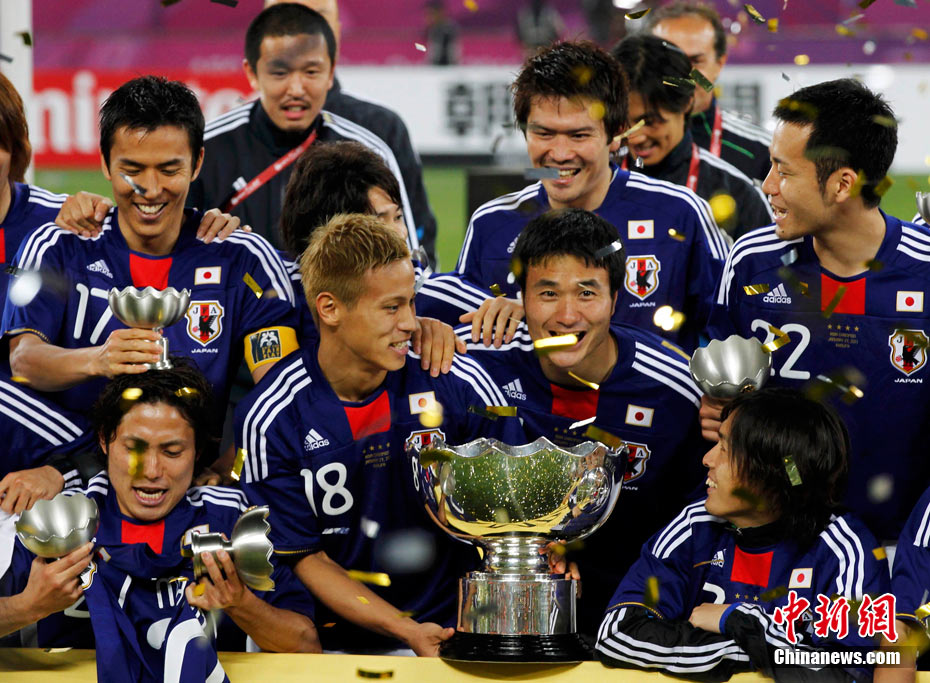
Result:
620,380
662,96
696,28
289,19
841,285
571,101
152,428
325,433
711,593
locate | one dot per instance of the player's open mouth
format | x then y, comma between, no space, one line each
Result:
778,213
578,333
149,496
401,347
295,110
150,210
711,484
568,172
645,149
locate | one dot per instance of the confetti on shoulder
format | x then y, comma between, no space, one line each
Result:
253,285
605,437
752,290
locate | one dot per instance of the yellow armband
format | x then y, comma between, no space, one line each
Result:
268,345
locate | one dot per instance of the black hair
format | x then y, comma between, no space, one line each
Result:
183,387
659,71
147,103
851,127
329,179
287,19
676,10
573,70
775,424
570,232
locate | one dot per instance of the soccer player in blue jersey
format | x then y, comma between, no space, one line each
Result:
570,100
138,591
66,340
846,283
754,567
627,382
324,435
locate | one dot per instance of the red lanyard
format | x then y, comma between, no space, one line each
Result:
270,172
716,136
694,168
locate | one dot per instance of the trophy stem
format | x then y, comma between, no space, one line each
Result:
515,554
163,362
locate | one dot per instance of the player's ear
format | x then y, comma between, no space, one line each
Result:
250,74
843,185
328,309
104,168
197,165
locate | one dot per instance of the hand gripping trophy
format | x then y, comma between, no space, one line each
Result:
150,309
514,501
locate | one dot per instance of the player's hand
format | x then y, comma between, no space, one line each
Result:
495,320
83,213
218,225
558,564
54,585
706,616
426,638
219,591
436,344
20,490
208,477
125,352
710,417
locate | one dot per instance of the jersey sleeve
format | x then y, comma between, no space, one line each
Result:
266,294
473,391
42,314
469,263
708,254
722,322
910,578
446,296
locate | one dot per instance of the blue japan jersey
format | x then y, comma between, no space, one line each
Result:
337,478
72,311
879,325
34,428
30,207
649,401
698,558
674,250
149,591
910,579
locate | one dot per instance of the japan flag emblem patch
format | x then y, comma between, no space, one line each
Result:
908,350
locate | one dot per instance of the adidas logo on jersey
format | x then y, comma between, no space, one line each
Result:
718,559
777,296
514,390
100,267
512,246
313,440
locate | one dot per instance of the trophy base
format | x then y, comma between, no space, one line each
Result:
160,365
517,649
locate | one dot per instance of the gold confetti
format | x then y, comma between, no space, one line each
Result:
802,60
638,15
135,464
774,594
845,30
471,5
582,74
675,235
558,548
199,589
479,410
753,499
668,318
791,467
806,109
432,417
853,394
919,33
701,80
362,599
553,343
752,290
879,553
723,206
912,339
857,186
632,129
186,392
886,121
754,13
677,82
27,38
420,46
835,301
772,25
590,385
19,379
253,285
368,673
132,394
781,338
597,110
496,290
405,615
502,411
651,595
516,267
374,578
883,186
237,465
671,347
501,516
329,624
865,3
874,265
605,437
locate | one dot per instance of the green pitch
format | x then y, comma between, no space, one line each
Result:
446,189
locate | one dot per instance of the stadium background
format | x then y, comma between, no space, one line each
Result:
458,116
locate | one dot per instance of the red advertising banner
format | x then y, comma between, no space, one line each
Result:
63,116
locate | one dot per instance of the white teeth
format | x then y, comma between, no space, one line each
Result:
150,208
711,484
144,495
566,172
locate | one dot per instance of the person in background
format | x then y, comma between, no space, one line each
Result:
538,25
442,35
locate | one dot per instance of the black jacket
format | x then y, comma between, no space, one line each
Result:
743,144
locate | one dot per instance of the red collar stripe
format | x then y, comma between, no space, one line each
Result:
853,299
373,418
751,568
152,534
149,272
578,405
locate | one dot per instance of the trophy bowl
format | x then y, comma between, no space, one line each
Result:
514,501
249,548
53,528
725,369
150,309
923,206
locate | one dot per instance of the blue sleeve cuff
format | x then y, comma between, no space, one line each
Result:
725,616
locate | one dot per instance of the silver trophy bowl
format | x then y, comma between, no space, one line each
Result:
150,309
53,528
923,206
725,369
515,501
248,547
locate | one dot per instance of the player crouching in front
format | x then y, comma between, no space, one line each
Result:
138,590
762,573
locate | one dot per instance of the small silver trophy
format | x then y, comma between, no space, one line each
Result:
248,547
53,528
150,309
923,206
725,369
514,501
